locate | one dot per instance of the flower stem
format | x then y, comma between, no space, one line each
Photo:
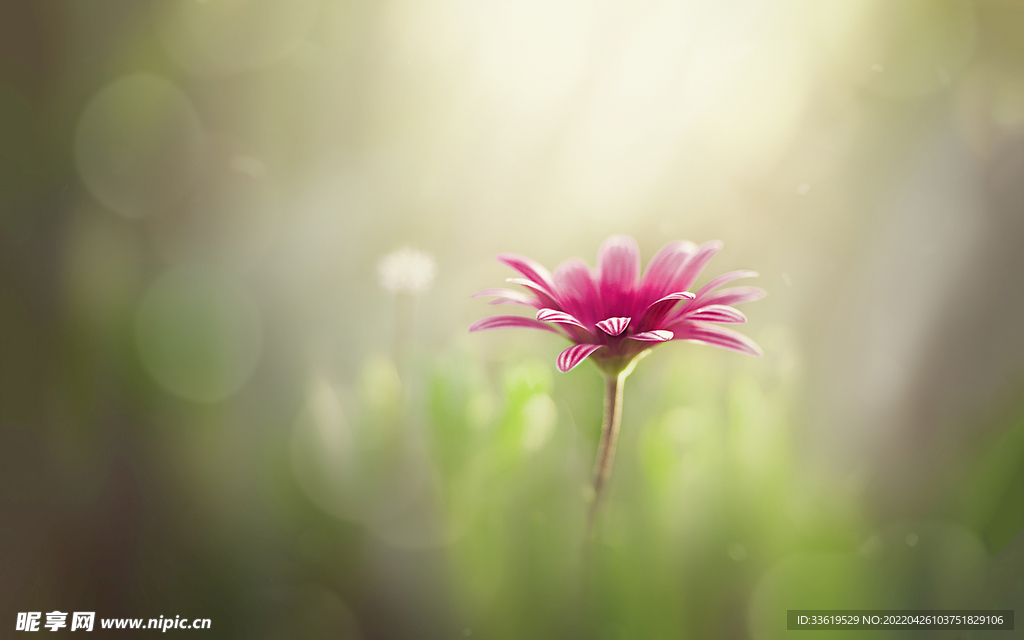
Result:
405,327
614,384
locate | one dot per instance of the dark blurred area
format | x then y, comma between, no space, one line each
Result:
237,244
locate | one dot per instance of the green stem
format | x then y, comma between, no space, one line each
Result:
405,326
614,384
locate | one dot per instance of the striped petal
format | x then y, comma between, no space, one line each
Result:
546,298
691,270
574,355
618,273
577,292
729,297
733,295
717,313
502,322
722,279
662,269
561,317
716,337
654,314
659,335
532,270
613,326
674,297
507,296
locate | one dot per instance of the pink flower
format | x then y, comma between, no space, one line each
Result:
613,313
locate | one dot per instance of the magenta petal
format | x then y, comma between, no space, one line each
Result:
501,322
534,271
662,269
688,274
545,297
576,290
507,296
524,302
716,337
725,297
618,266
574,355
717,313
677,296
666,302
561,317
654,314
722,279
659,335
733,295
613,326
529,284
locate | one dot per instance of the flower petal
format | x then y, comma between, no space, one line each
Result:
618,272
706,297
507,296
655,313
716,337
613,326
675,297
543,295
501,322
717,313
691,270
733,295
561,317
662,269
722,279
659,335
534,271
574,355
577,292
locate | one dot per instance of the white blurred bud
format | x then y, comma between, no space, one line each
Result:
406,271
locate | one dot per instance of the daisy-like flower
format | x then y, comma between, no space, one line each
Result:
614,315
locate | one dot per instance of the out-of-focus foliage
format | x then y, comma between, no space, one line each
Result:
991,497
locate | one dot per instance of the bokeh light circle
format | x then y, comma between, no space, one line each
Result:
139,146
198,333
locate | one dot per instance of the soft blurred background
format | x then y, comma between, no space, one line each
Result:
223,394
